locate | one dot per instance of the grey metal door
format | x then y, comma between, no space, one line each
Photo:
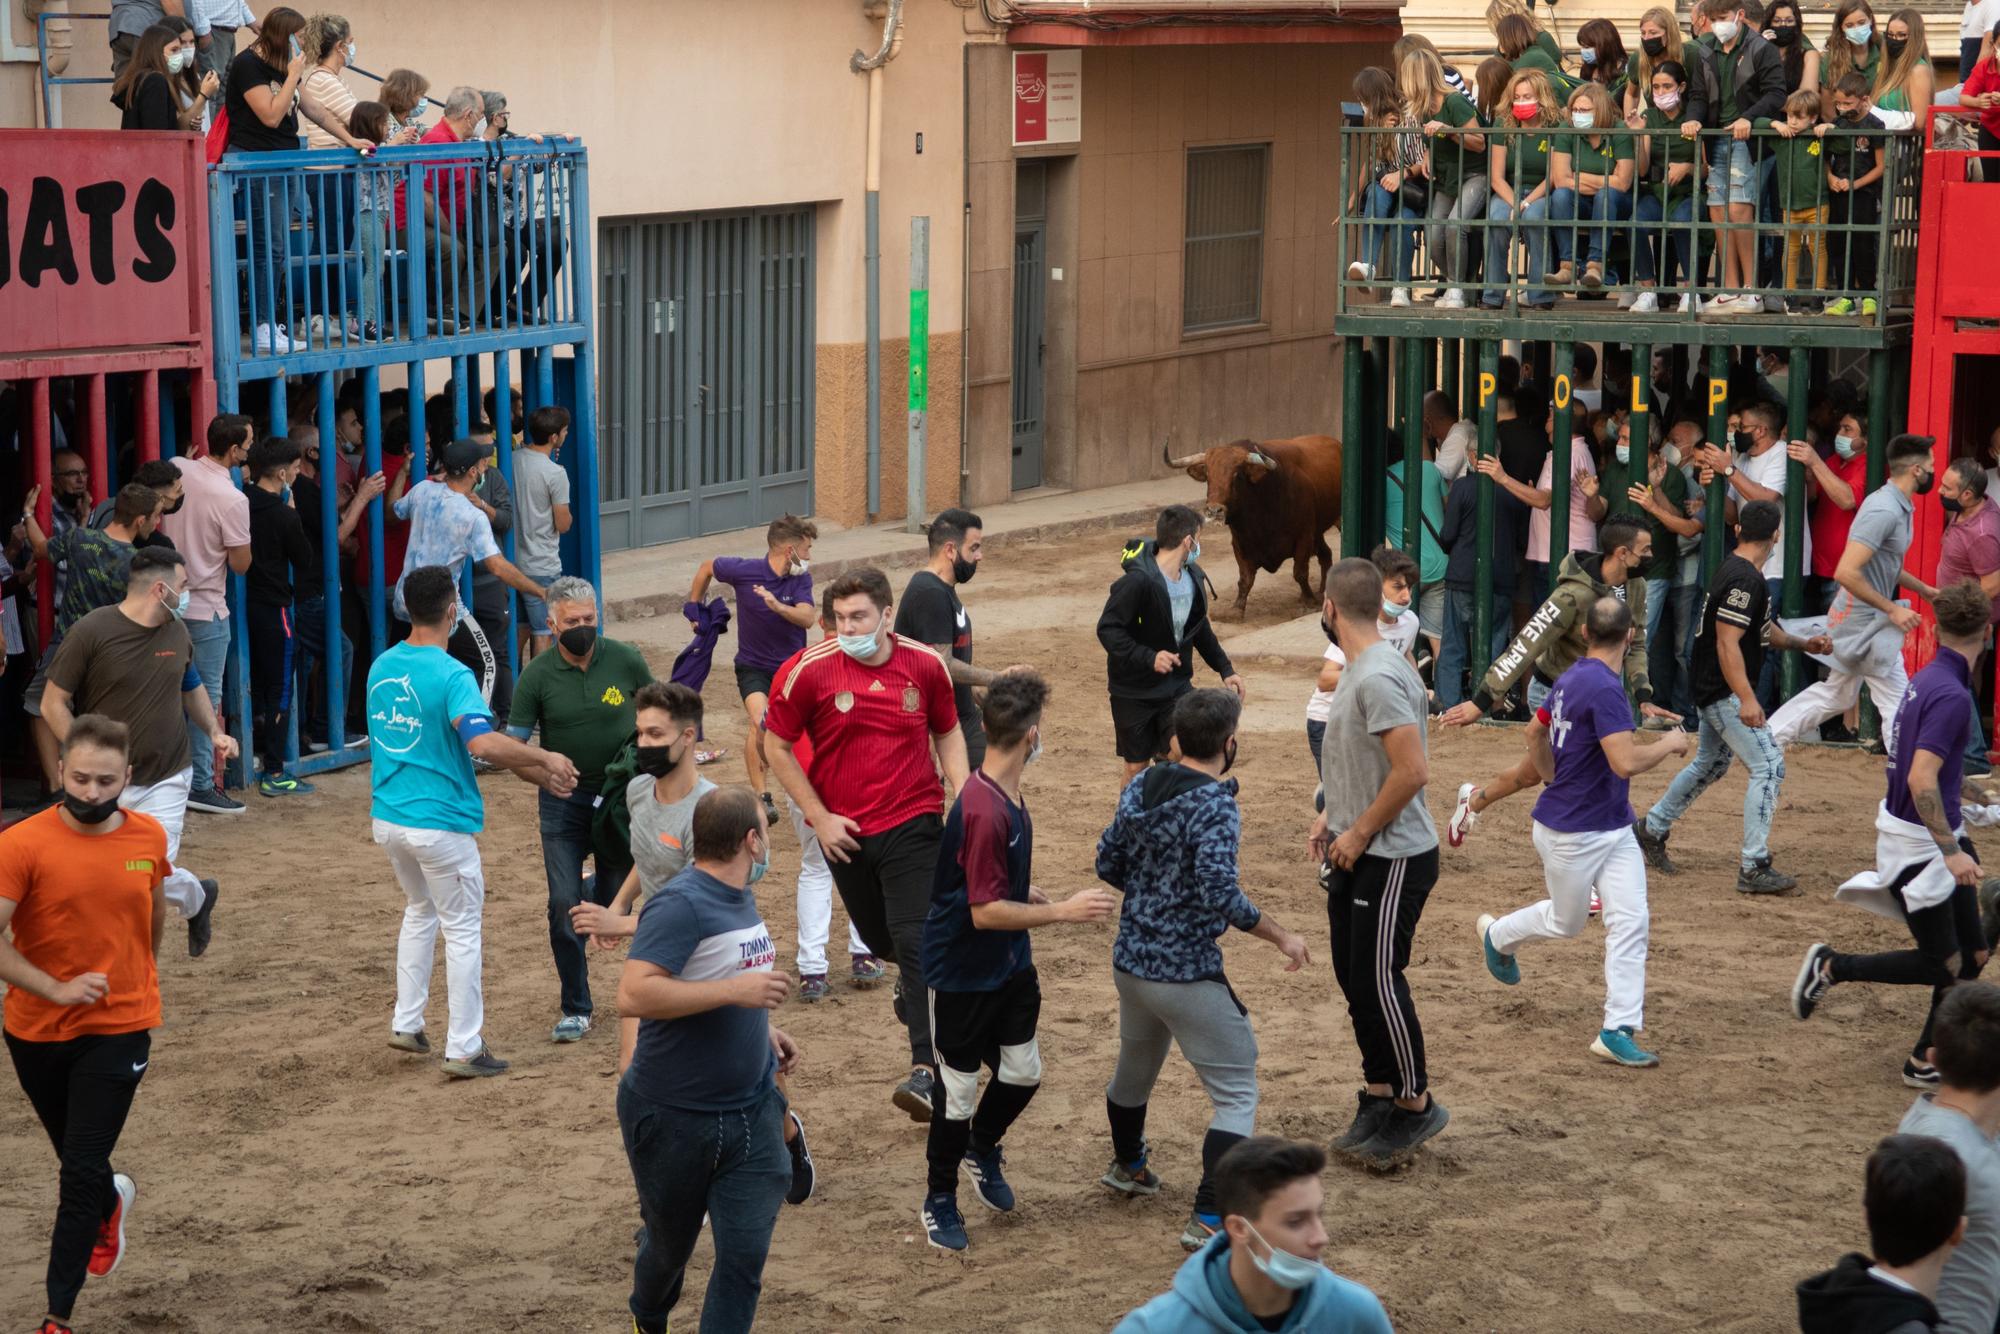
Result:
1030,303
708,365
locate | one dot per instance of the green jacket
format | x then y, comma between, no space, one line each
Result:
1801,169
1553,638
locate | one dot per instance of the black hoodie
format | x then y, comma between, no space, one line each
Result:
1138,623
277,544
1847,1299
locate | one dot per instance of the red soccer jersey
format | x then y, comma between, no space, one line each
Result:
870,729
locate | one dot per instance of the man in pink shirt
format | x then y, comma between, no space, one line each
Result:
212,530
457,235
1971,547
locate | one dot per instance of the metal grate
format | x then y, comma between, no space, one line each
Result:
1223,259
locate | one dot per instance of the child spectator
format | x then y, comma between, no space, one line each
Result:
1802,192
1915,1201
277,546
1854,187
375,204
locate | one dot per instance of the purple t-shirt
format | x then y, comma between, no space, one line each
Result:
1936,716
1587,705
764,639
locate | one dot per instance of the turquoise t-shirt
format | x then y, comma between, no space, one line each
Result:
421,770
1180,600
1431,557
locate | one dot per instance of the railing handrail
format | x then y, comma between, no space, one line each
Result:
466,151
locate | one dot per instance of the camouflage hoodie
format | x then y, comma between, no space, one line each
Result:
1552,640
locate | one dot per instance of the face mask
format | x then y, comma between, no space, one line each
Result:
1526,111
797,566
180,608
1327,626
90,812
1653,46
179,61
1583,119
1843,445
1725,30
1587,54
656,761
174,508
1293,1273
350,53
1951,504
1924,487
1784,36
1671,456
1229,755
479,127
1194,553
1668,103
962,570
1850,117
1744,442
1035,748
1392,611
1859,33
578,639
1624,453
859,646
760,866
1894,45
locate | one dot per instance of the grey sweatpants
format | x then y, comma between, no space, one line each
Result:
1213,1029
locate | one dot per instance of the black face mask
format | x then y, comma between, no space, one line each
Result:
962,570
578,640
1784,36
1653,46
1327,626
1895,45
1745,442
90,812
1924,487
1229,755
1951,504
657,761
175,508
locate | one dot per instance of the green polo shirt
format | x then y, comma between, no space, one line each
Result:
1801,170
1726,63
1668,147
1527,160
1451,160
1601,158
585,712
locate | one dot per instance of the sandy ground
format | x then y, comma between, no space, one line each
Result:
295,1173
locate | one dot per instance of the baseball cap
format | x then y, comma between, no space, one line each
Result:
464,455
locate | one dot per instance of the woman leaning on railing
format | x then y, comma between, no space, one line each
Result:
1391,189
1592,172
1454,163
1666,162
1518,177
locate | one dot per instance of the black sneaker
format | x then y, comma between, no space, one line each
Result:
1655,848
1402,1133
896,1002
1921,1075
804,1178
1812,983
1762,879
913,1095
481,1064
1367,1121
214,802
201,926
414,1043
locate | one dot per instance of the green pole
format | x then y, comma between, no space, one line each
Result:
1468,385
1353,407
1382,379
1414,369
1448,379
1642,426
916,504
1792,669
1879,407
1713,523
1482,577
1560,464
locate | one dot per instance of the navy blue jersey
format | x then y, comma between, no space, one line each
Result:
986,857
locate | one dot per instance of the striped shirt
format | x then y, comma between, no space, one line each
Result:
870,728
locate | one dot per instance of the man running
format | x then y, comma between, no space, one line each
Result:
133,663
774,609
1582,742
426,720
1550,644
1926,871
1378,854
931,613
1171,851
80,889
1866,624
1154,621
874,706
985,996
1735,626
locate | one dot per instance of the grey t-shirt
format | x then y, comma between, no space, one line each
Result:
540,484
1969,1295
1882,524
662,832
1379,690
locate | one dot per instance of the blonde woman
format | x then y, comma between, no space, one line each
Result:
1455,161
1390,157
1416,41
1659,40
1854,44
1592,174
1518,177
1906,85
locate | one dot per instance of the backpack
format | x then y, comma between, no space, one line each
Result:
611,822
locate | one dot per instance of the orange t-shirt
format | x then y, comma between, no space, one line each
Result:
84,904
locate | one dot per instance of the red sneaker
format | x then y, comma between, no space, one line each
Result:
110,1247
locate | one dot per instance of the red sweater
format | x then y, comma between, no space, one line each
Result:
1985,78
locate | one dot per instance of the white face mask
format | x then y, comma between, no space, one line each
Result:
479,127
1583,118
350,53
1587,54
1725,30
179,61
1859,33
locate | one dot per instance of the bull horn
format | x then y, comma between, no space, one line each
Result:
1261,460
1184,461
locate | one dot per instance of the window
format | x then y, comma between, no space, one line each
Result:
1223,260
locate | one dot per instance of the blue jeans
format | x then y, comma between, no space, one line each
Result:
731,1166
1379,206
1687,617
1667,644
1651,250
1767,680
1722,735
211,657
565,845
1455,646
1600,211
1534,235
309,628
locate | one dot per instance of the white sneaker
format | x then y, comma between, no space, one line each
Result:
1361,273
1462,816
1399,296
1646,303
1596,904
1749,305
1690,304
1453,299
271,339
1627,300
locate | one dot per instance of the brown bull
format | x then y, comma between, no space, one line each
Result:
1278,498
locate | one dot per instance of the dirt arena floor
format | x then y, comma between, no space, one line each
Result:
296,1174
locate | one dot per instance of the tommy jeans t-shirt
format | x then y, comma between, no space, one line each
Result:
662,831
1936,716
987,856
1587,797
702,930
421,769
764,639
1379,691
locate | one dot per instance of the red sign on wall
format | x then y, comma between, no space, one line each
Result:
103,234
1048,97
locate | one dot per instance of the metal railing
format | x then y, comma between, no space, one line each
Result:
1813,248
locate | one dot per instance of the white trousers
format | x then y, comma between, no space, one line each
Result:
439,872
1835,695
1574,864
167,802
816,902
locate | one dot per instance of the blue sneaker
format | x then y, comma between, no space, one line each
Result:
1616,1044
987,1181
1503,966
944,1225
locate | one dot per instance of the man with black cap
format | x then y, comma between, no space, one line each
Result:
447,529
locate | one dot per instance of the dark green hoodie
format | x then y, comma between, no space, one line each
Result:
1552,640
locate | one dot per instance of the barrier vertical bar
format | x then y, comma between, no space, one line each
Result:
1792,666
44,468
503,446
149,416
371,463
1411,538
1482,576
590,545
1352,358
1713,523
97,439
1879,371
333,664
1561,465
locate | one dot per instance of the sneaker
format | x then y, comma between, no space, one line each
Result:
1399,297
1504,967
214,802
770,810
804,1178
1453,299
813,987
1629,300
1368,1118
1402,1133
913,1095
272,340
1616,1044
1357,272
110,1247
1655,847
1198,1230
201,926
1762,879
1646,303
283,785
1724,304
711,755
1921,1075
944,1225
1868,307
53,1326
570,1028
1463,816
1751,304
1596,905
1690,304
479,1065
1812,983
313,745
1840,305
896,1003
865,971
414,1043
1133,1178
988,1182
